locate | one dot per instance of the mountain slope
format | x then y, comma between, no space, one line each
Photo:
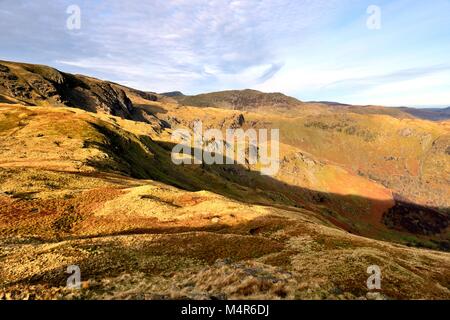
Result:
363,155
239,100
435,114
69,196
39,85
86,178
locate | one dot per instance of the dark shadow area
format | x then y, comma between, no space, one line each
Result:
153,109
143,158
148,114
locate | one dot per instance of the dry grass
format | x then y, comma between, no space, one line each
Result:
137,238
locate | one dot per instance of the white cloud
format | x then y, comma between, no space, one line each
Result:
197,45
313,49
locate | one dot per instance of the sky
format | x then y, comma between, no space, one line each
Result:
393,53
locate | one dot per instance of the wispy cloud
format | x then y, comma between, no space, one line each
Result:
383,79
196,45
313,49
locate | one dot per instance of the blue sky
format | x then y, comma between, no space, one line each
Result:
310,49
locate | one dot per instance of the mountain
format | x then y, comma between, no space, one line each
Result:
434,114
86,178
248,100
239,100
173,94
37,85
42,85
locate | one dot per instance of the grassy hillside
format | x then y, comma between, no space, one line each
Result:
86,178
239,100
408,156
71,195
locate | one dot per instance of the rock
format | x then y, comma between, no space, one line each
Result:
44,88
85,285
223,262
4,68
215,220
375,296
218,296
146,95
406,132
336,291
238,122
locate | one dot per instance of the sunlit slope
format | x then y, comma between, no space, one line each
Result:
101,192
409,156
354,165
344,153
85,144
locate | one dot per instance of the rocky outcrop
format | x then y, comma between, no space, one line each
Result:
238,122
39,85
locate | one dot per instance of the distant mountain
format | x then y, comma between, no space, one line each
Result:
332,103
42,85
173,94
246,100
239,100
435,114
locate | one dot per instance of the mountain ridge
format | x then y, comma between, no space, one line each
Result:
250,109
47,84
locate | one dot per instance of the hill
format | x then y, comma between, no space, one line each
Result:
239,100
173,94
434,114
70,195
94,185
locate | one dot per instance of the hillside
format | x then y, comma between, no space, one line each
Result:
239,100
37,85
86,178
80,204
435,114
251,100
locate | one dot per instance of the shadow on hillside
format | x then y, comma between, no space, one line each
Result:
153,109
404,221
